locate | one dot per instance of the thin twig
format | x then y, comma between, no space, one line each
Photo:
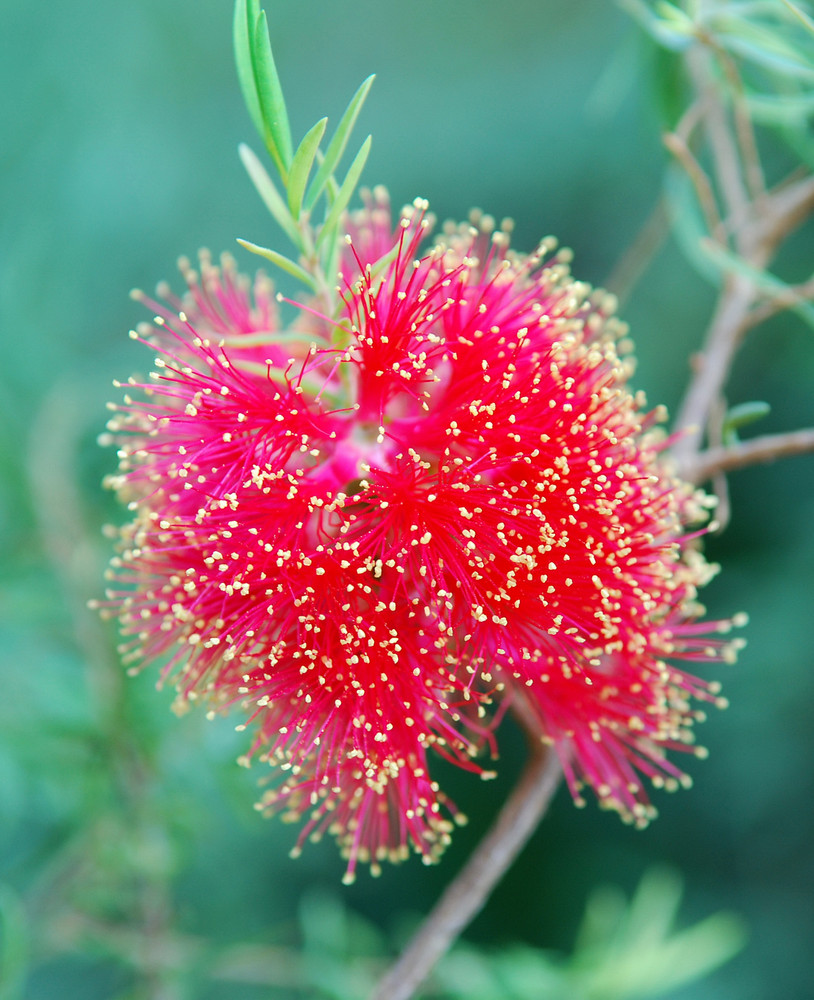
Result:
468,892
724,148
689,121
757,222
737,296
788,205
781,301
767,448
702,184
730,320
720,485
632,264
783,210
678,142
744,131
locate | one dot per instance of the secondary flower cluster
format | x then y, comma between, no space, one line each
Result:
373,530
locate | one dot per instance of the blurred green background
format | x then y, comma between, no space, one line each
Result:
132,864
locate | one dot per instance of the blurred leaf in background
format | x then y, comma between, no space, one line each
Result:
623,951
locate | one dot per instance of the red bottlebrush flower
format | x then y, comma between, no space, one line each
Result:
369,528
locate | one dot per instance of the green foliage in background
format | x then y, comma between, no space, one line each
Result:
132,865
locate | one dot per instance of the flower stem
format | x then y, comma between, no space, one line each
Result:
467,893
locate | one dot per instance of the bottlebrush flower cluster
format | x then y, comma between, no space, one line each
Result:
374,530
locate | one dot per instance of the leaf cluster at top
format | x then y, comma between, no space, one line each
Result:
295,209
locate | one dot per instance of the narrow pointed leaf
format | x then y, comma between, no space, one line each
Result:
763,280
330,263
782,109
741,416
279,260
271,196
270,95
346,191
332,190
378,267
243,59
301,166
765,51
801,14
338,142
652,911
784,44
663,32
675,17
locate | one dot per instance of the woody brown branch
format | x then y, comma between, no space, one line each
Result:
756,223
767,448
757,226
470,889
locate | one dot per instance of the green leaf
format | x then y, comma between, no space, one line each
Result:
330,262
345,192
605,910
675,17
801,15
781,109
763,280
332,189
741,416
475,974
767,49
652,910
279,260
301,166
666,33
634,952
271,196
379,266
339,141
260,83
244,62
693,953
270,97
